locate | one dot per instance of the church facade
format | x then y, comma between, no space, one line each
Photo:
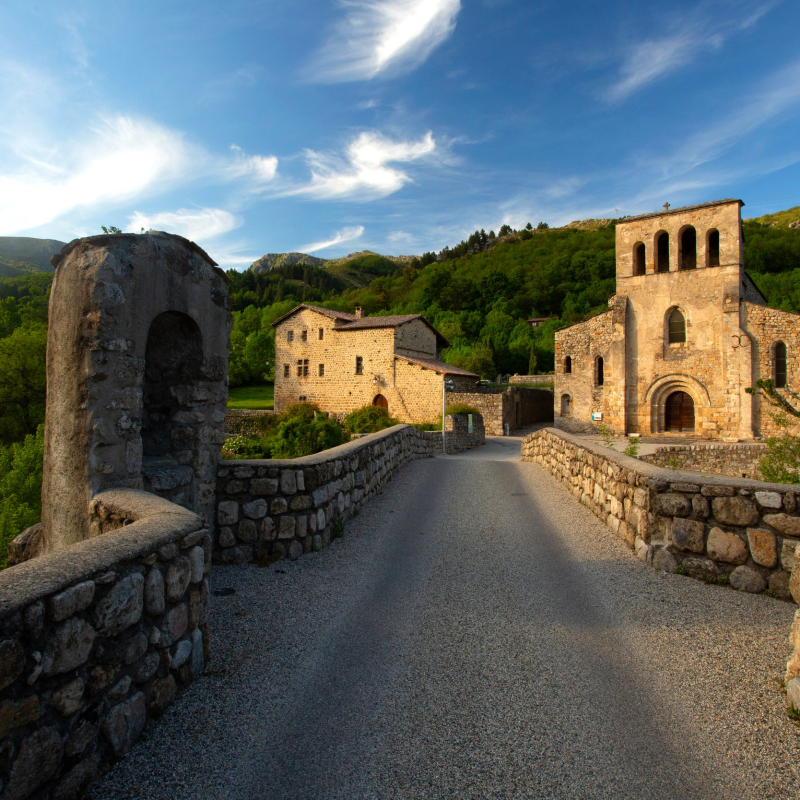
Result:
686,333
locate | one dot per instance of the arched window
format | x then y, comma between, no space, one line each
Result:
676,327
712,248
568,365
688,248
662,252
639,264
780,365
600,372
566,405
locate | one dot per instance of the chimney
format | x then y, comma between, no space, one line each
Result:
358,312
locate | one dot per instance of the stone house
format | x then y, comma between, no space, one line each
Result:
686,333
344,361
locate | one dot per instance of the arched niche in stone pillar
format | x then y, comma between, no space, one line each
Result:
137,365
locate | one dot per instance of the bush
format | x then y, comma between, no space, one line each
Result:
781,463
20,488
461,408
368,419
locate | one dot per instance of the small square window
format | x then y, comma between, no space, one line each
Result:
322,333
322,370
302,398
359,365
285,370
303,336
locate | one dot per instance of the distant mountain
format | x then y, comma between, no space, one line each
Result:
781,219
277,260
21,255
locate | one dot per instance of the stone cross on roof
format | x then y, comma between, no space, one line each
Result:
666,206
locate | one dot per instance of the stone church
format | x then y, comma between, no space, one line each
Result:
344,361
686,333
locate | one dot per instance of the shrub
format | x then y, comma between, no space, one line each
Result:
461,408
368,419
296,437
20,488
781,462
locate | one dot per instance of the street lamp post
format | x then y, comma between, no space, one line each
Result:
446,384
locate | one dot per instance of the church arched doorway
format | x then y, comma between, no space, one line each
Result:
380,401
679,413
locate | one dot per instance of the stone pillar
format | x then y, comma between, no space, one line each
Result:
137,373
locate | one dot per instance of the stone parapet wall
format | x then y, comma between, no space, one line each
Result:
457,435
490,402
523,379
736,460
515,406
97,638
722,530
270,509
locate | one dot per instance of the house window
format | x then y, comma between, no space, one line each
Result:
289,336
662,251
713,248
303,336
600,372
322,370
302,367
677,327
780,365
302,398
566,404
639,264
285,370
568,365
322,333
359,365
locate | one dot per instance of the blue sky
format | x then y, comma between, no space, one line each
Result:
394,125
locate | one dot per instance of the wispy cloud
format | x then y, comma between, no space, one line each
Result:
345,235
363,173
690,37
197,224
259,169
384,37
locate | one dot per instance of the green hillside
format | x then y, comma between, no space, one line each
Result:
781,219
21,255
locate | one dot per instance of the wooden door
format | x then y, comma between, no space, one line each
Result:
679,413
381,402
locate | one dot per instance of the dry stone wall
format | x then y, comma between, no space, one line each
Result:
736,460
97,638
515,406
245,422
458,436
270,509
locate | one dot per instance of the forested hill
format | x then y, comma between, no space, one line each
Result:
21,255
479,293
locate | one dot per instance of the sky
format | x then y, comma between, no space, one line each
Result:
399,126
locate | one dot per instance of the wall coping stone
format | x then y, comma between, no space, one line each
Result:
156,522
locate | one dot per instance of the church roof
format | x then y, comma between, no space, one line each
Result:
680,210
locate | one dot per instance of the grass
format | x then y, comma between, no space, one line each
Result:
252,397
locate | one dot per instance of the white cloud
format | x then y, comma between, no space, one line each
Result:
120,159
197,224
344,235
385,36
364,172
260,169
693,36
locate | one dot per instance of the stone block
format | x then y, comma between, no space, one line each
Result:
793,693
783,523
794,582
146,668
672,505
180,652
727,547
735,511
763,547
67,700
226,537
124,724
255,509
746,579
286,528
700,568
197,558
788,550
121,607
689,534
68,646
263,486
288,481
295,550
228,512
769,499
154,602
247,532
75,781
12,661
173,625
664,561
779,584
15,714
301,502
162,693
71,601
83,735
279,506
700,506
36,763
267,530
179,574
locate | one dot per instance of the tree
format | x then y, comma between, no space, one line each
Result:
505,230
22,381
112,229
528,227
781,463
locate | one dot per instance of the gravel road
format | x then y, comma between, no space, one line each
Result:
477,634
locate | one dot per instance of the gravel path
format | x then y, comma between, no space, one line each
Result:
477,634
